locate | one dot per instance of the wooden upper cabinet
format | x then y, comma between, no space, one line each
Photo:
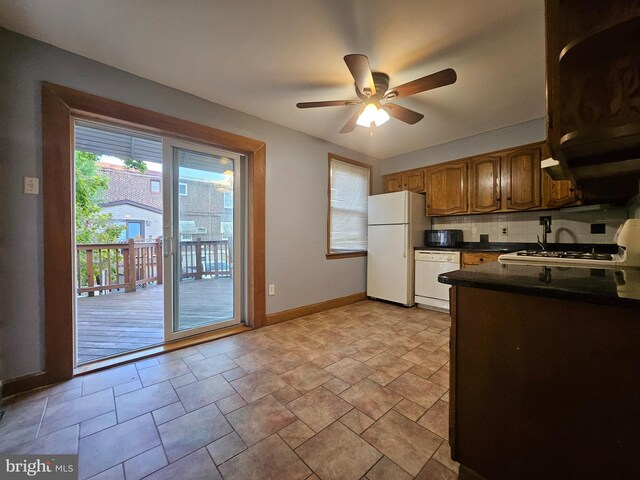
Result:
392,183
593,58
521,179
484,184
446,187
558,193
412,181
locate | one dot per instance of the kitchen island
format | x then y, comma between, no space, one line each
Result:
545,372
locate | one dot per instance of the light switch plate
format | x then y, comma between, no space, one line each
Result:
32,185
272,289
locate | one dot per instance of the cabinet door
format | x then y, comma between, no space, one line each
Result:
557,193
414,181
484,179
392,183
521,179
447,189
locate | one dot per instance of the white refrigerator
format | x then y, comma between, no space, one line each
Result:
396,225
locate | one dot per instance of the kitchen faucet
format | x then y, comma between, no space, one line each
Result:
546,223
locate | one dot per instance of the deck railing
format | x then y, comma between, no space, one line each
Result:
205,258
108,267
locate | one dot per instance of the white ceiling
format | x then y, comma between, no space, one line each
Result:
263,56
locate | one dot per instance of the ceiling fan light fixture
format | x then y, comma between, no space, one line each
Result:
381,117
372,114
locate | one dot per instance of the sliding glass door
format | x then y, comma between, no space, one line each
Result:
157,240
202,235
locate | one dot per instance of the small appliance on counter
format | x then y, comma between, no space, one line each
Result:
628,240
443,238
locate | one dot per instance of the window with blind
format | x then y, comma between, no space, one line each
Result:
349,187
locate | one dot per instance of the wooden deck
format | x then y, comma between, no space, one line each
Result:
120,322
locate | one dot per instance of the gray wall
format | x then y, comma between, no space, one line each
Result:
512,136
296,202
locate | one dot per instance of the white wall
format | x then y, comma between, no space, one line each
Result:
296,198
512,136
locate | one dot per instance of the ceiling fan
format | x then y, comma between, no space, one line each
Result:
373,87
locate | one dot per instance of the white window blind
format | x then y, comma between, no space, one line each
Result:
349,189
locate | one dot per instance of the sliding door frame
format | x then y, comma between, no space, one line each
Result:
60,107
171,229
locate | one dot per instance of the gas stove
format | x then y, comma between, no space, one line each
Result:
602,260
627,238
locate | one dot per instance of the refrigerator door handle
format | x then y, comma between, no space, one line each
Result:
404,244
406,212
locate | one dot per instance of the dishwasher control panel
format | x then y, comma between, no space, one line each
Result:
440,257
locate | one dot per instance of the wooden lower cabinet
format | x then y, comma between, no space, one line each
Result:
543,387
446,187
478,258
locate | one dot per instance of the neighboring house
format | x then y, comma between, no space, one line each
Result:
135,199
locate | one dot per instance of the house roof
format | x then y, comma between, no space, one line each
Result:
133,204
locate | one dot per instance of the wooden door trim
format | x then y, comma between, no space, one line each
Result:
60,105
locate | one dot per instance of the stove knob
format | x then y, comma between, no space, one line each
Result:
449,259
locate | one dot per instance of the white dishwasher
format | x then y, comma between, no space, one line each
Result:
429,264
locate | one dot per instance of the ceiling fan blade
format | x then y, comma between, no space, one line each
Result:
404,114
350,126
330,103
361,72
435,80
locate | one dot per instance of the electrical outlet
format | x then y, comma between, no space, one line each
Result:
272,289
504,231
32,185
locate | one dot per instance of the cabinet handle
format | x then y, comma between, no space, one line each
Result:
482,259
572,189
498,199
508,198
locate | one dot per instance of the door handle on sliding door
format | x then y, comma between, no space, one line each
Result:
168,246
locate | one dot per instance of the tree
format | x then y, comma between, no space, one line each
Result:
92,224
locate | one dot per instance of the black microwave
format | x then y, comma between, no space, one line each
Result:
442,238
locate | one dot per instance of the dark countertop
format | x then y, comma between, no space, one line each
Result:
503,247
618,287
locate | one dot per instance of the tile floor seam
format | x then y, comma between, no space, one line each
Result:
161,442
46,404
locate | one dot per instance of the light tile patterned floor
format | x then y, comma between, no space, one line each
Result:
355,392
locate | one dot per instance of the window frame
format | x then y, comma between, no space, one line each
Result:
186,189
347,254
152,182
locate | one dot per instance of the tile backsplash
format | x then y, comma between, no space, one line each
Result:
566,226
